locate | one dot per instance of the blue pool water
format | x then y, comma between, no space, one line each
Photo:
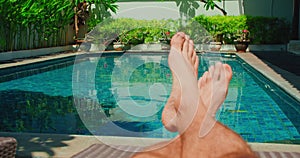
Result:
123,95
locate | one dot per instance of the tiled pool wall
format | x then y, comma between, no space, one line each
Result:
16,72
289,105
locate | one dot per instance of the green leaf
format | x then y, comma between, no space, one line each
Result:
63,7
178,2
192,12
195,5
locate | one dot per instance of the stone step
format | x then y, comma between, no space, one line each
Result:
294,46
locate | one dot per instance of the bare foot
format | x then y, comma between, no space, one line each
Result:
205,134
182,104
213,91
218,84
170,110
190,110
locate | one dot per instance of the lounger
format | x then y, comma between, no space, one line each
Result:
8,147
105,151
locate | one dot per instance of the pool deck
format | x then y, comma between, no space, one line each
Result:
64,146
56,145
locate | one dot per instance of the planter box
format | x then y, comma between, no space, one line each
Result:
294,47
273,47
147,47
33,52
251,47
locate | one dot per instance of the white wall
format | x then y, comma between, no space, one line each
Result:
166,10
157,10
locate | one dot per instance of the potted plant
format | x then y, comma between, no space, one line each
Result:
121,41
216,44
118,45
242,40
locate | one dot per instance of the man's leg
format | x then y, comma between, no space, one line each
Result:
187,61
218,139
171,107
189,118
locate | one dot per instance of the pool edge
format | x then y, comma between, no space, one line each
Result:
269,73
41,145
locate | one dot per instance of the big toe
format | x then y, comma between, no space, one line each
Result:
177,41
195,62
228,71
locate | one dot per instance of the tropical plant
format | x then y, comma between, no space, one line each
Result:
242,36
188,7
33,23
92,12
27,24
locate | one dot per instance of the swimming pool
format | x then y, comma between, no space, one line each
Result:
58,96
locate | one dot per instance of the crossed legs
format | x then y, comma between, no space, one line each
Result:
191,108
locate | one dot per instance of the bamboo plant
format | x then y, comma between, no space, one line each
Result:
29,24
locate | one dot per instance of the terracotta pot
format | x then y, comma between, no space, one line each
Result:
215,46
118,46
241,47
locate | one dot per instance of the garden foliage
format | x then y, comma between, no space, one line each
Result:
132,32
263,30
28,24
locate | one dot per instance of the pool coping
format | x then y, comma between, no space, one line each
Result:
269,73
61,145
35,145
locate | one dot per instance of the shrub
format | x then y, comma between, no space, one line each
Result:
132,31
227,26
268,30
264,30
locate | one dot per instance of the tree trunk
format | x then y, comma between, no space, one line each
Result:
76,23
295,27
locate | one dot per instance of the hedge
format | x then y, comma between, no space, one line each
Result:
263,30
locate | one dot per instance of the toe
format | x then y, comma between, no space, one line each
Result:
185,49
217,71
204,78
177,41
190,49
196,65
208,78
193,57
228,71
211,70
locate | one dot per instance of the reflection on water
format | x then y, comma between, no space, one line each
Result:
130,91
25,111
